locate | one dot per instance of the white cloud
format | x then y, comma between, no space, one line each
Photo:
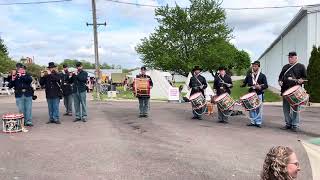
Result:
58,31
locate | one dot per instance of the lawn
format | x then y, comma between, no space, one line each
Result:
237,92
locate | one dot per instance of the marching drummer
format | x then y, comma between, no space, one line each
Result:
197,84
144,99
222,84
257,82
291,74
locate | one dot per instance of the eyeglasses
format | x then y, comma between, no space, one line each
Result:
296,163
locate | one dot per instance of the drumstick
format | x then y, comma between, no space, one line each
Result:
292,79
253,87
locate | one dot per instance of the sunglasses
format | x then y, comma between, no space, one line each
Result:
296,163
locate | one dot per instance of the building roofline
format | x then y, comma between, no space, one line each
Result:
301,14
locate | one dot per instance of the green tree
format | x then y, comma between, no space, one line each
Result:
241,62
6,63
3,48
184,38
34,69
105,66
313,84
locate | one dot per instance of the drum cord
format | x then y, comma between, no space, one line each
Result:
222,111
306,101
195,111
259,114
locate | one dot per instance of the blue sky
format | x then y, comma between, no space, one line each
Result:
53,32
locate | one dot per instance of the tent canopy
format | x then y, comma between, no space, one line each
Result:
161,85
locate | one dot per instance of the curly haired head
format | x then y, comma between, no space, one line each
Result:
275,164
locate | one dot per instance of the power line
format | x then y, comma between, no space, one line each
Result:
35,2
227,8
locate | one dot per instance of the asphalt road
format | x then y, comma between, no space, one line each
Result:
116,144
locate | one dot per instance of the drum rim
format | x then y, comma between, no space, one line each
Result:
221,97
198,93
246,96
291,90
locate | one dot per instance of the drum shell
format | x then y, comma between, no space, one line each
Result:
12,123
225,103
142,87
198,101
251,102
296,97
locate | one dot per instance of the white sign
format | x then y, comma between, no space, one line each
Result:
174,94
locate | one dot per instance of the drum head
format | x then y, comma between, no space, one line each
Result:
246,96
194,96
221,97
291,90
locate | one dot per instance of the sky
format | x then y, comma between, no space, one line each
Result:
57,31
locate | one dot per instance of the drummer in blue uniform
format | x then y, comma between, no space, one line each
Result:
197,84
257,82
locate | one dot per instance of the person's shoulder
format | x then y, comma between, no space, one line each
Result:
301,65
286,66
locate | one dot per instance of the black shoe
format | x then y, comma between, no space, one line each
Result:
250,124
294,129
57,122
258,125
29,124
84,120
223,122
66,114
49,122
76,120
141,115
146,115
285,127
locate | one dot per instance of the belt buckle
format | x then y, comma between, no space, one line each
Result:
23,90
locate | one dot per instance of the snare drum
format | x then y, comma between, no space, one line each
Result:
250,101
197,101
224,102
142,86
12,123
296,95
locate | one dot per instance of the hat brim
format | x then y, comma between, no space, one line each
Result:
195,69
52,66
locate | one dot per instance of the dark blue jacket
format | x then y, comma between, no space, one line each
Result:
51,83
262,80
66,84
22,86
220,82
196,82
79,82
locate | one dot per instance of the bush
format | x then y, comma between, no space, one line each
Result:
313,84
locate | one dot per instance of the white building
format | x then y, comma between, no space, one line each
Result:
300,35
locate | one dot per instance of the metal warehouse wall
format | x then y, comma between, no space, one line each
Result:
295,40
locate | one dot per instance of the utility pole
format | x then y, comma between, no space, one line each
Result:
95,36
